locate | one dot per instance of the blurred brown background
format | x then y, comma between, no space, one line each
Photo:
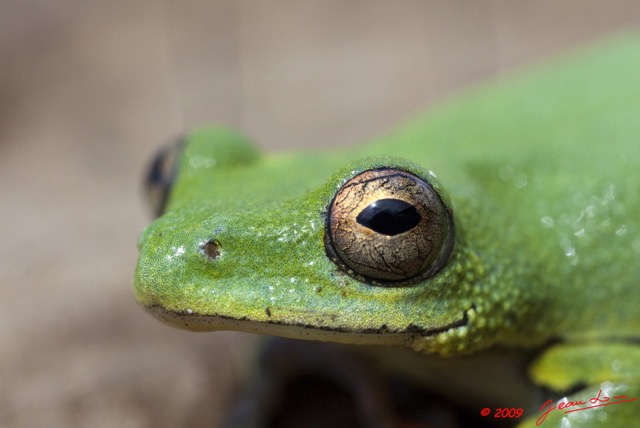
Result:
89,90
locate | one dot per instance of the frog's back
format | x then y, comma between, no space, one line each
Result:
548,166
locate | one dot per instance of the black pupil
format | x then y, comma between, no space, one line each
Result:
389,216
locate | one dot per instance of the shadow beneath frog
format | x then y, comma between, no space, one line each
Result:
312,384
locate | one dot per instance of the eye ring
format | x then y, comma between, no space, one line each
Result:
388,227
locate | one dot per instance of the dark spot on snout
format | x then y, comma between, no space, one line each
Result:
211,249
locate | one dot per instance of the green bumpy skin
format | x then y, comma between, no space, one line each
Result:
541,173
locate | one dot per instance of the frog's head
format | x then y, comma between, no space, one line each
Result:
366,254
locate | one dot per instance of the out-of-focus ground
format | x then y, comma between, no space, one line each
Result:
88,90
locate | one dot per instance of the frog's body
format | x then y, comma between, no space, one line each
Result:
542,177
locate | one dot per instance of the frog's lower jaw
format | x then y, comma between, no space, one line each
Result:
382,336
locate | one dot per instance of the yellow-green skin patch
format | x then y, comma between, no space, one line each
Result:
542,174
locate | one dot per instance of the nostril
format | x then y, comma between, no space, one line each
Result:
211,249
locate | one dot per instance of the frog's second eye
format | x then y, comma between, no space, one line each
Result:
388,227
161,175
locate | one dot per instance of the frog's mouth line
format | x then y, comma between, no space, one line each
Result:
382,335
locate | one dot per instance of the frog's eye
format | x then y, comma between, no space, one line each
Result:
388,227
161,175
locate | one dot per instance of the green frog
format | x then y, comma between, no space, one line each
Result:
504,222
